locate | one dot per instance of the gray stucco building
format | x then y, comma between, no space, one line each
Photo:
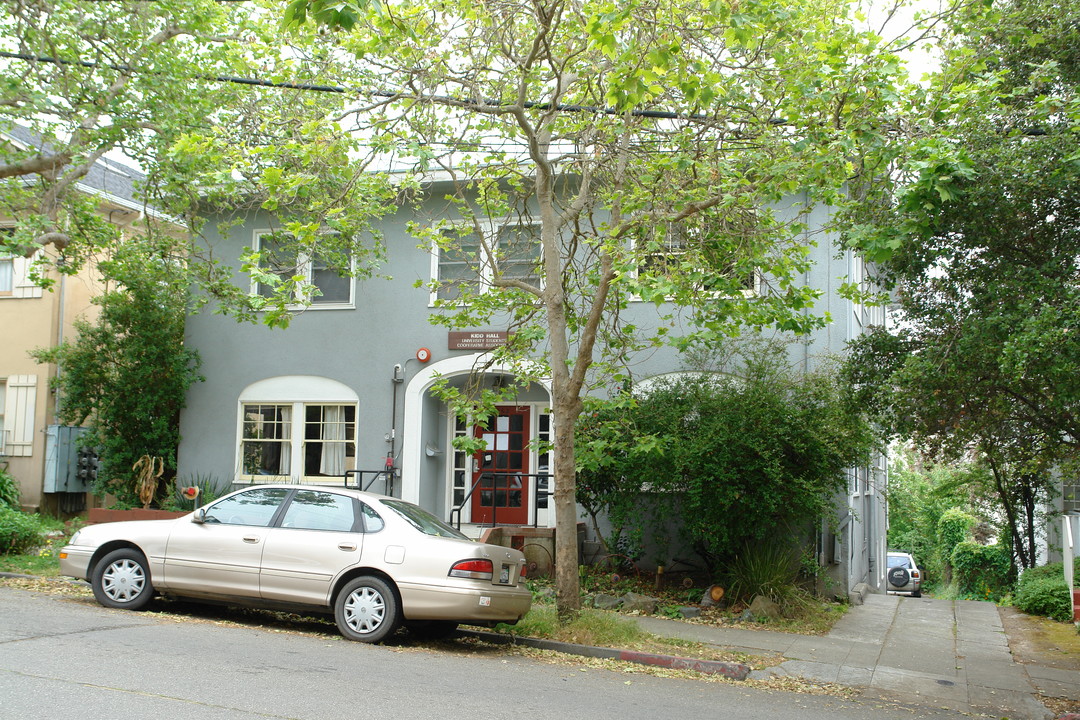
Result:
347,387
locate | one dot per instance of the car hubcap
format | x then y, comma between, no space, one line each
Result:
365,610
123,581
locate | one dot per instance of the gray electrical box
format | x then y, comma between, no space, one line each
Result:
62,443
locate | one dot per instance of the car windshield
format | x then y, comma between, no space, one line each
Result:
898,561
422,520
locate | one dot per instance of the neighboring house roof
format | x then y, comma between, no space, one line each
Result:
109,179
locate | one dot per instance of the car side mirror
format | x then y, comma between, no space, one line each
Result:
199,516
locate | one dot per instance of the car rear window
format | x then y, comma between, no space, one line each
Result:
422,520
899,561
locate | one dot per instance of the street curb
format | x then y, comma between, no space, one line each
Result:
730,670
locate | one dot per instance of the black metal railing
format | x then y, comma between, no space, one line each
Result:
386,475
539,492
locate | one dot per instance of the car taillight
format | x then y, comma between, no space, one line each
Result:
915,574
475,569
524,571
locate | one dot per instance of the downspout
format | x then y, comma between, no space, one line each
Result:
62,299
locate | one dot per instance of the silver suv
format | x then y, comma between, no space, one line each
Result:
903,574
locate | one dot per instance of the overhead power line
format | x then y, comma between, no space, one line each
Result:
314,87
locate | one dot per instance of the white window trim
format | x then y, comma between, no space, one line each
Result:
297,441
22,287
491,228
297,391
305,266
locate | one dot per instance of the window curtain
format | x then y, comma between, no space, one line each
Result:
333,436
285,463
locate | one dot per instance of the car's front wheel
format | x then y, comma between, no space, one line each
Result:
366,610
122,580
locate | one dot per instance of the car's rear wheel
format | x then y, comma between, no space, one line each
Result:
366,610
898,577
122,580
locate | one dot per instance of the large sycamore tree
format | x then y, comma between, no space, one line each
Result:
982,249
648,144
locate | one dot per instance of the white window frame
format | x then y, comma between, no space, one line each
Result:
18,273
674,251
305,266
296,442
484,272
7,276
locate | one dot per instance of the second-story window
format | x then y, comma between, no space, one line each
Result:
696,255
462,265
334,289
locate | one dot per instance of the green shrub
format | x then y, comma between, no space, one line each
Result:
981,571
9,490
210,489
770,569
19,531
1047,596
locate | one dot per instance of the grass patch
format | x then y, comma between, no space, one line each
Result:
590,627
43,560
600,628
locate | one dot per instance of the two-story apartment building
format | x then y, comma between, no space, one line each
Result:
348,386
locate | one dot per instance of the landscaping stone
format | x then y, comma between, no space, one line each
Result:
763,607
601,601
690,612
632,602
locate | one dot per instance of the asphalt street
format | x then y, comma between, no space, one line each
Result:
64,657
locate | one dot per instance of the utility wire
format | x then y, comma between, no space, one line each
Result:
313,87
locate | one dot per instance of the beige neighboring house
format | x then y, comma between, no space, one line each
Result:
30,318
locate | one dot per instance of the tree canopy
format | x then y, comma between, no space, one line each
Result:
986,264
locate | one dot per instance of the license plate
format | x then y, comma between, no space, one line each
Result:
504,575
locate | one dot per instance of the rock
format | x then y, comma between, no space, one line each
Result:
601,601
745,616
690,612
763,607
632,602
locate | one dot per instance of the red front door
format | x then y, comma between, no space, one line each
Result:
502,495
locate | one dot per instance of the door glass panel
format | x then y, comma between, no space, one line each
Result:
254,507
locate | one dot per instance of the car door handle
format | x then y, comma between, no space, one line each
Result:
348,547
251,539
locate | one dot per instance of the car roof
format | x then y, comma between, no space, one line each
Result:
362,494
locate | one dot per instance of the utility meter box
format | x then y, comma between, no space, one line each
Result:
63,451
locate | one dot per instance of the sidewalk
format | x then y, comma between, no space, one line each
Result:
946,654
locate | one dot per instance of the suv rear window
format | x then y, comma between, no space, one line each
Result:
899,561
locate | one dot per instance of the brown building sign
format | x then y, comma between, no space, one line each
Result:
476,339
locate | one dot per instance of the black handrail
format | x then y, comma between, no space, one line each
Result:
535,491
387,475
